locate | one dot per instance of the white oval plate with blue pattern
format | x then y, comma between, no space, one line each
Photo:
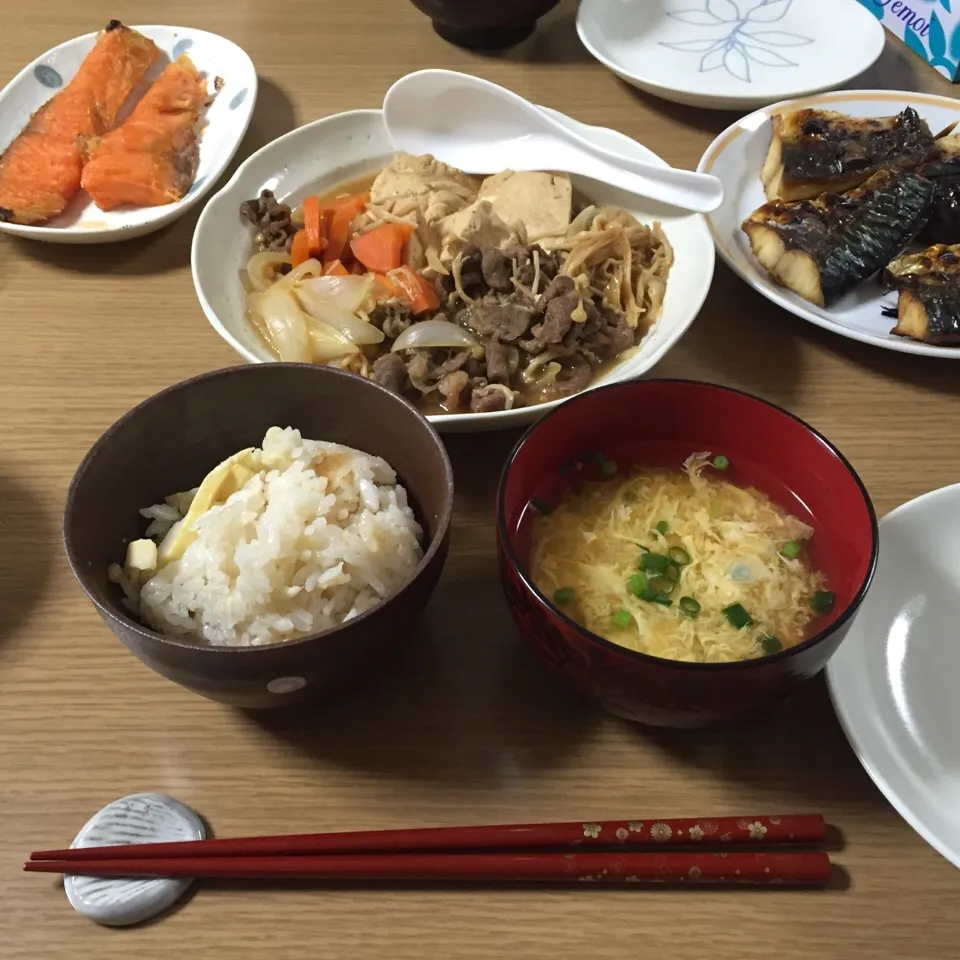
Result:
224,123
731,54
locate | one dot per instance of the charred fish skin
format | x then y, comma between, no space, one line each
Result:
812,151
928,306
821,249
943,170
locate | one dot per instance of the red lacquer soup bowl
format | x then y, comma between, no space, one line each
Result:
658,423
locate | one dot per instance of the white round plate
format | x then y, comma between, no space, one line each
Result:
731,54
894,679
317,156
736,157
224,123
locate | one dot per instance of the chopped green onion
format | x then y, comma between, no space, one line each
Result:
608,468
542,506
662,527
690,607
637,584
720,462
647,594
566,467
737,616
654,562
672,572
622,619
790,550
563,596
822,601
663,586
643,548
596,455
679,555
662,600
769,644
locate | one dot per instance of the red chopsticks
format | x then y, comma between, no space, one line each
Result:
808,868
624,851
734,831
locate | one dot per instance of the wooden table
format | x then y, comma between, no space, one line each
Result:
470,729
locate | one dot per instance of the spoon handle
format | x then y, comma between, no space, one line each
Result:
696,192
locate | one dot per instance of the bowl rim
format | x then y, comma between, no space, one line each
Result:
246,369
506,541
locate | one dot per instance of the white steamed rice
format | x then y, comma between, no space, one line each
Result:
324,535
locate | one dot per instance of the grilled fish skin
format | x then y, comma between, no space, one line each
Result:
812,151
928,305
821,249
943,169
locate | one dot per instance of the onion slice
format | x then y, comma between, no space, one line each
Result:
348,324
327,343
344,293
433,334
263,269
285,325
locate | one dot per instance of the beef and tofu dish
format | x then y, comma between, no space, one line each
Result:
850,198
464,294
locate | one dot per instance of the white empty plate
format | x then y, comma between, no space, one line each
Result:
894,678
319,155
731,54
223,125
736,157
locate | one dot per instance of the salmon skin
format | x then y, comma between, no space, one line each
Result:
40,171
152,158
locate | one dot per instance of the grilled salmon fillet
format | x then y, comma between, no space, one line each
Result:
40,171
152,158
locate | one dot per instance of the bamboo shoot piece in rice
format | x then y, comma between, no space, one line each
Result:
679,564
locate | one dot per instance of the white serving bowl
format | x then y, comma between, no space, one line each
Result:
224,123
317,156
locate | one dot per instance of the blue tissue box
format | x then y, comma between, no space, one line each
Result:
930,28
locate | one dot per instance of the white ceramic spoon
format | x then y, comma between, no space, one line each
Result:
482,128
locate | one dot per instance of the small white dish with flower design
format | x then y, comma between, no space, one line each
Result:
230,75
731,54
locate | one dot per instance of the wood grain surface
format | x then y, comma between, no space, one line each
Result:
468,728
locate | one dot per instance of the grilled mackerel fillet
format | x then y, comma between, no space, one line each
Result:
943,170
821,249
812,151
928,305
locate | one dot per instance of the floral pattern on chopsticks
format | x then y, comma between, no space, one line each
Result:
744,41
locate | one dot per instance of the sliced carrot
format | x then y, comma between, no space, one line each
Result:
387,288
300,248
381,249
343,211
313,224
417,290
335,269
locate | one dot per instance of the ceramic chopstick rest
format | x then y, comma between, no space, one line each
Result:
138,818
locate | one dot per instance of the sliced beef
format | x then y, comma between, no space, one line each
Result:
557,287
426,368
501,361
505,322
605,335
497,269
392,317
272,219
452,387
575,374
391,372
418,370
492,397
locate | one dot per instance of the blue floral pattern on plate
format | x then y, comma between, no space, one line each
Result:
238,98
181,46
745,39
48,76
